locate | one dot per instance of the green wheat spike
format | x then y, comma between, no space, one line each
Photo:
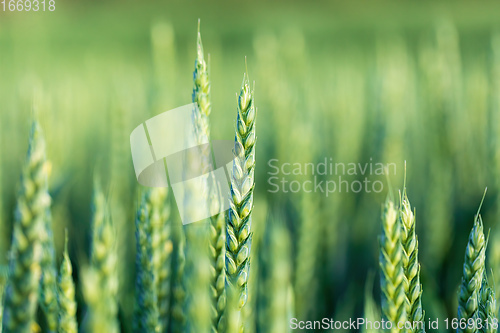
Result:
48,282
33,202
146,315
201,93
100,281
215,246
411,266
66,295
494,258
239,216
487,308
198,306
177,315
391,265
158,208
473,272
217,233
250,313
201,96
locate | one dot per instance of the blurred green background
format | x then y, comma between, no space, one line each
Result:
356,82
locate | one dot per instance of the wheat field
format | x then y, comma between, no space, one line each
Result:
363,138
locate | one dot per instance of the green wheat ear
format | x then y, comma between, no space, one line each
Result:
177,315
239,216
33,202
487,308
100,282
146,316
199,304
201,96
66,294
48,282
158,209
473,273
201,91
493,258
411,267
391,264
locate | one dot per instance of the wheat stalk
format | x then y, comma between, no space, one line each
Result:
33,201
239,216
370,310
473,271
66,294
411,267
199,307
146,316
391,265
276,278
306,282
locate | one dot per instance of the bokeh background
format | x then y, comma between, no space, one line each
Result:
356,82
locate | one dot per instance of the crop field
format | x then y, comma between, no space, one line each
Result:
364,185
